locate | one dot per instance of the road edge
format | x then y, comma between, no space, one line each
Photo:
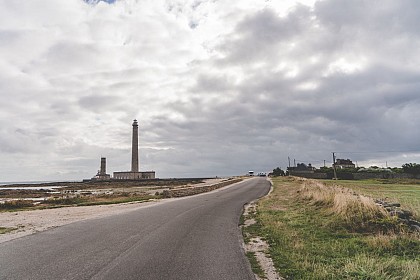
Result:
255,247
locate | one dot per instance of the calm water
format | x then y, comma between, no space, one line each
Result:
27,182
32,188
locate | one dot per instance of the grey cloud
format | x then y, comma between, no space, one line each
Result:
339,76
261,35
385,17
346,110
212,83
99,102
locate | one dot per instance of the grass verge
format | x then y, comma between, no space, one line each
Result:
255,265
4,230
323,232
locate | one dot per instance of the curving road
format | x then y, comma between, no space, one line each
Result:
190,238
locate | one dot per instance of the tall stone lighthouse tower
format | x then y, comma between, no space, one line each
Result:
135,173
135,148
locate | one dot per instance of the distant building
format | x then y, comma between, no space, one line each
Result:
134,174
301,168
344,163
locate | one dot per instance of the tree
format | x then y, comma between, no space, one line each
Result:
324,169
278,172
411,168
301,166
397,170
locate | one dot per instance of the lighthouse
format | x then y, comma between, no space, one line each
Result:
135,148
134,173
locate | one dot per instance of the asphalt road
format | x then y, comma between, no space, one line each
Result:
190,238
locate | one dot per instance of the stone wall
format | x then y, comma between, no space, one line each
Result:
356,175
383,175
309,175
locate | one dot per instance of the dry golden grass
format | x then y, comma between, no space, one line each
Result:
358,211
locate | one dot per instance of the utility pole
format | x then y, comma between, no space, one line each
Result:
324,162
289,161
294,162
335,172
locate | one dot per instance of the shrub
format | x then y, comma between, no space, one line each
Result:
63,200
166,194
411,168
16,204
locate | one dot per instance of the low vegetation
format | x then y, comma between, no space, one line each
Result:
173,182
16,204
104,193
255,265
346,208
319,231
4,230
75,200
97,200
404,191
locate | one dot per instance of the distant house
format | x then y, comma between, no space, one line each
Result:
344,163
301,168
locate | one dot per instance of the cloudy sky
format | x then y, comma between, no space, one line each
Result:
219,87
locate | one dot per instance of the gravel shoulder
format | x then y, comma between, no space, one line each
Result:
29,222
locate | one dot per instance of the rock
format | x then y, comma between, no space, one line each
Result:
415,227
394,204
408,213
414,223
380,201
402,214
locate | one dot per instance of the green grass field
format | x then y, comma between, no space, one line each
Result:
317,231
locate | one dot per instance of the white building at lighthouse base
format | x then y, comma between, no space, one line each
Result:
133,175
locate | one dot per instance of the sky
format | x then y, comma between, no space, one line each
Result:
219,87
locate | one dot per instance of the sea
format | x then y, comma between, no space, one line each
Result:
27,182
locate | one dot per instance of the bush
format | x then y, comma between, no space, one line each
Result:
411,168
277,172
166,194
63,201
16,204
